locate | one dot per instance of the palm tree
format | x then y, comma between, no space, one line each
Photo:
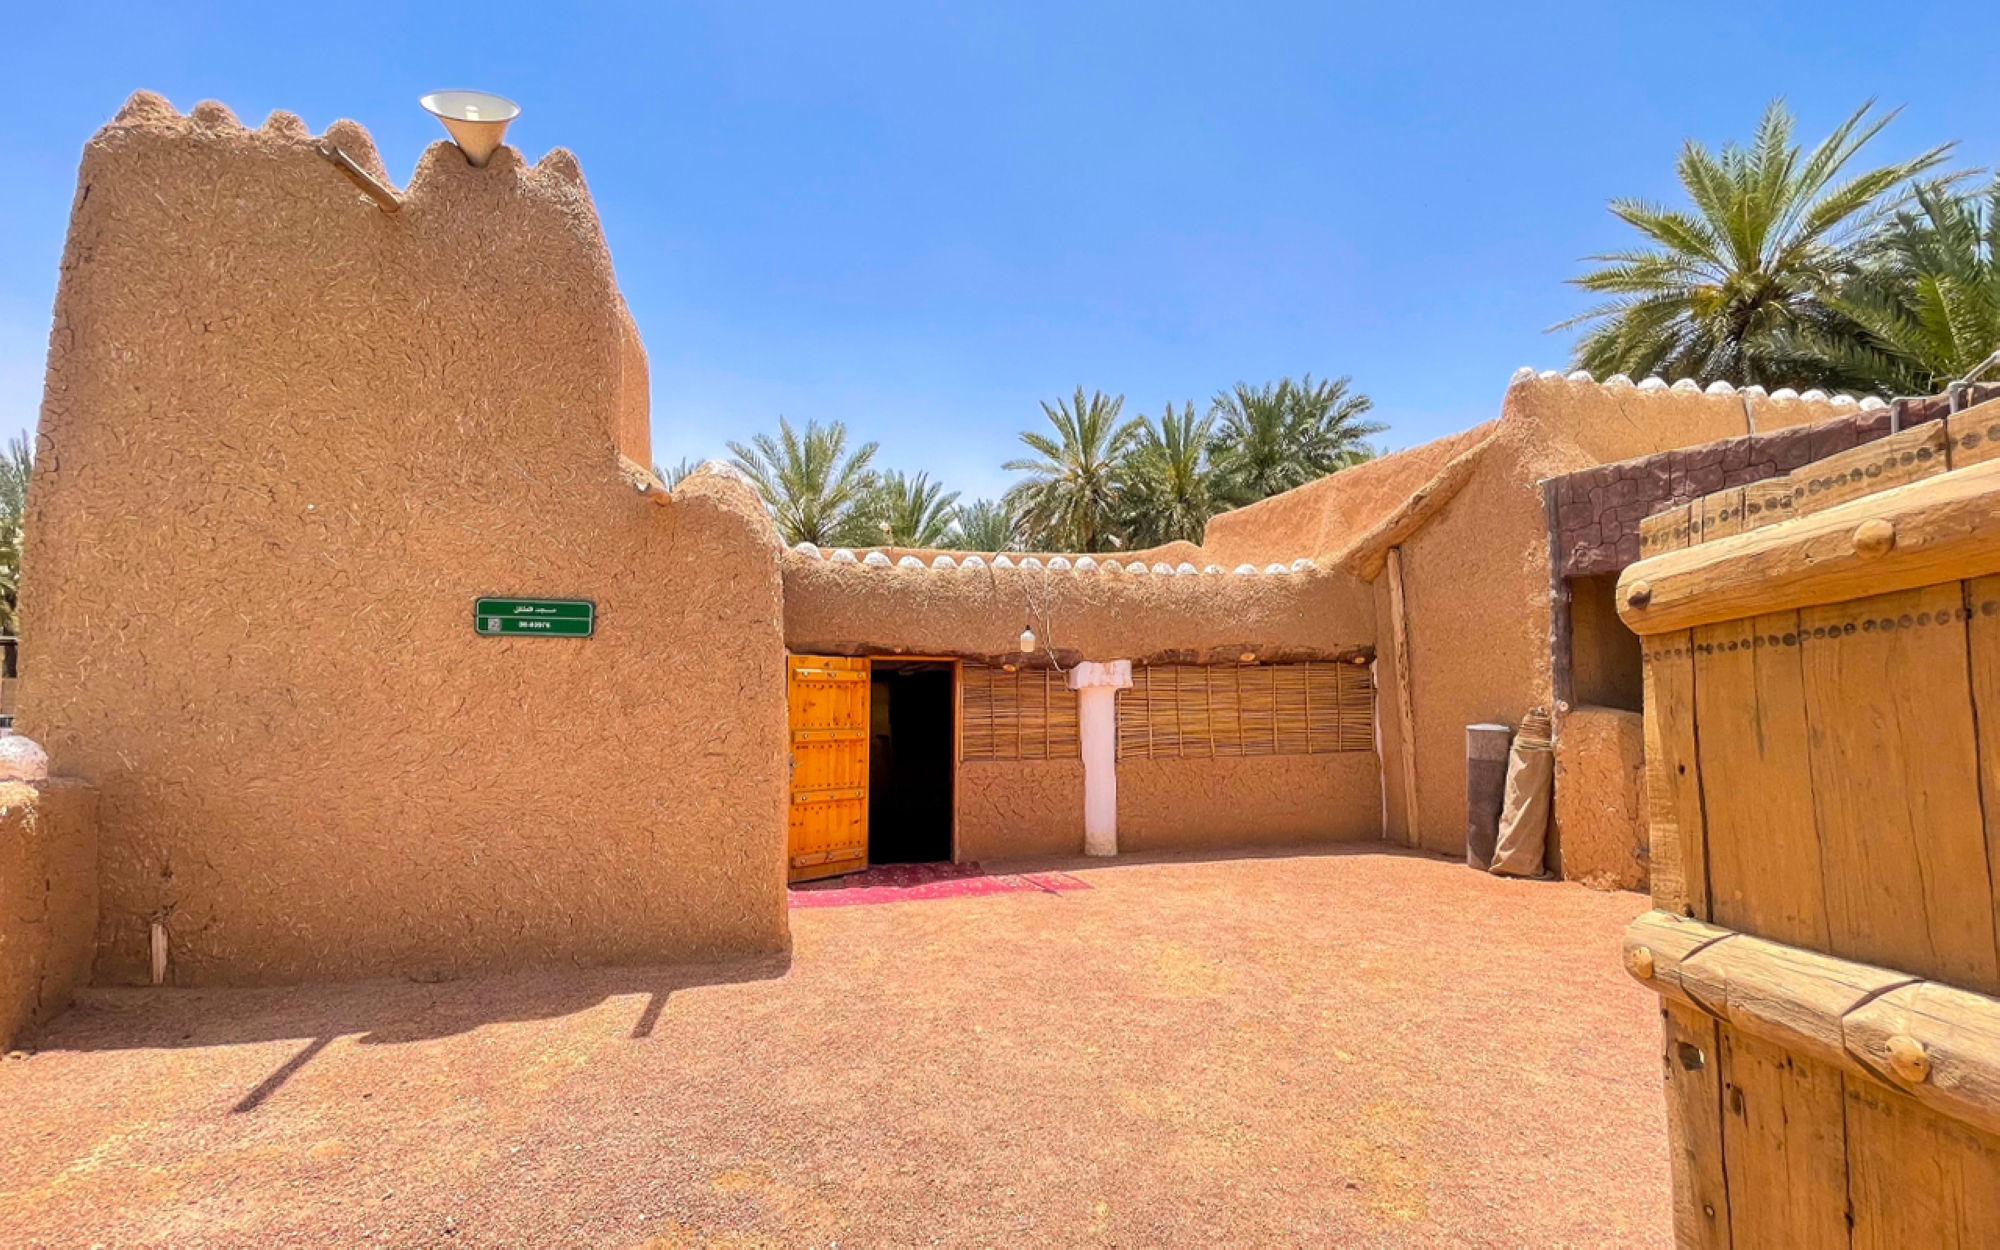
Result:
808,481
1169,484
1269,439
1926,304
901,512
1773,230
17,465
982,525
671,478
1069,501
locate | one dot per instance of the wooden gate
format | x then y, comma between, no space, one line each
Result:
1823,774
828,697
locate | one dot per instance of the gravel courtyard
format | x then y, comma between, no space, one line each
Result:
1347,1048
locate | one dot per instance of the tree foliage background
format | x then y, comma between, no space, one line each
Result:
1798,267
1096,480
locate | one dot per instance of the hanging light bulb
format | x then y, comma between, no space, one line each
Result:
1027,640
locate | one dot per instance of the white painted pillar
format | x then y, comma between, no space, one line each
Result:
1097,686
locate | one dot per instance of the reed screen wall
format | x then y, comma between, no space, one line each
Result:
1029,714
1180,710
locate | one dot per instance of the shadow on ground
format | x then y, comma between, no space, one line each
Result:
1213,855
375,1013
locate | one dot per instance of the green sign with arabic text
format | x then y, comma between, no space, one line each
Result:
550,618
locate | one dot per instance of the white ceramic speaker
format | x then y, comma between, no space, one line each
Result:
477,121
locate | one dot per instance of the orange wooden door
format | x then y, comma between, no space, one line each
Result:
828,696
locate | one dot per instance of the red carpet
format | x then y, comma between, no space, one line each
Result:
903,883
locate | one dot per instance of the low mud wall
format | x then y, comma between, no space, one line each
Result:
1600,835
1181,804
1008,809
48,901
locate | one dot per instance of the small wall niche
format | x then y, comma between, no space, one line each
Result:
1604,655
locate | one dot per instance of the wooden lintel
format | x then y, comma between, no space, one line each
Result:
1406,717
1941,529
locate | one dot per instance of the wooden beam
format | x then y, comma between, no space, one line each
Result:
1406,716
1941,529
1561,658
1936,1043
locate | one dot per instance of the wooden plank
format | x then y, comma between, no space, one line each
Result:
1938,1043
1721,514
1895,783
1406,726
1763,849
1784,1145
1943,528
1974,435
1791,998
1561,634
1916,1178
1679,865
1659,942
1897,460
1982,611
1767,502
1692,1067
1665,531
1955,1036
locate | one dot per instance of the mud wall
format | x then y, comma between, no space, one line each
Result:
1180,804
48,900
1600,808
854,609
287,440
1009,809
1322,517
1476,575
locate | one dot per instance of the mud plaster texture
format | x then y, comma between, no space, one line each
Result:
1340,1049
48,900
1600,809
1013,808
287,440
1180,804
1323,517
852,609
1476,573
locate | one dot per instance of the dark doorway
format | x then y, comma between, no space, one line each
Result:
911,751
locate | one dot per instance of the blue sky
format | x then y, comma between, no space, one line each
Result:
922,219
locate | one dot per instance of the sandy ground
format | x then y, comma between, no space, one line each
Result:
1352,1048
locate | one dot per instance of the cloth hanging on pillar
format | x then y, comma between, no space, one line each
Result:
1524,820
